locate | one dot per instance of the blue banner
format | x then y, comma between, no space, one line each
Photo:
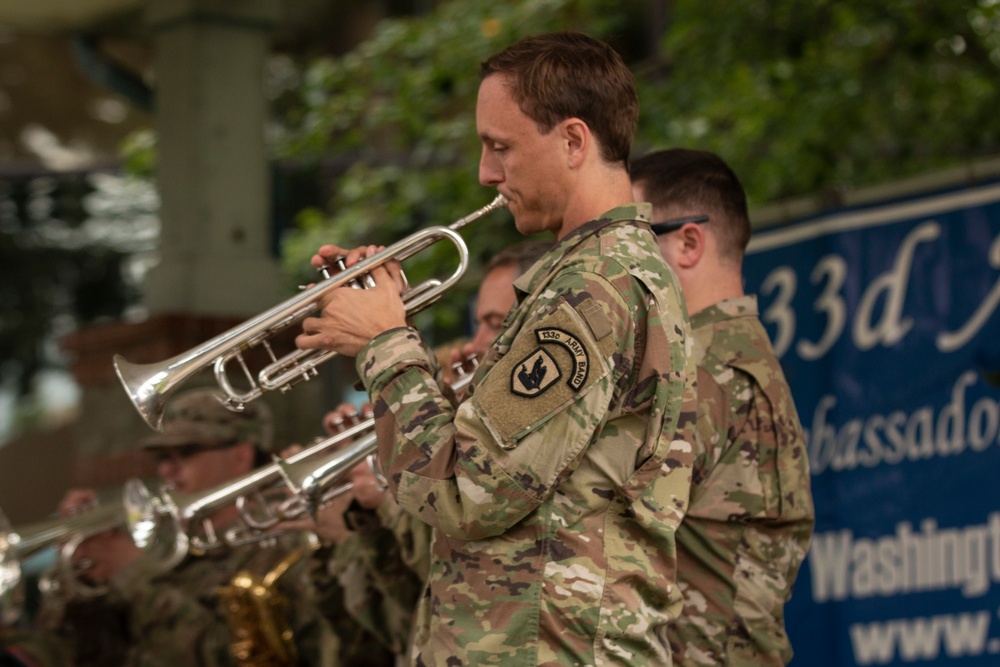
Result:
885,320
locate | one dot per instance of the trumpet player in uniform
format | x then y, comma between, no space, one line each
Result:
751,515
382,561
555,488
202,612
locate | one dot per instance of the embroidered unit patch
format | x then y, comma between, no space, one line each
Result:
545,370
534,374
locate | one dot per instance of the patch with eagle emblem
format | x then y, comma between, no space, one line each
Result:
534,374
547,367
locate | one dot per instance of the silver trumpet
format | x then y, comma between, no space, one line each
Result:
149,386
17,544
168,525
316,483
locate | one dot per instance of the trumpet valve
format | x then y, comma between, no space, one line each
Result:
307,373
335,422
232,403
341,265
465,366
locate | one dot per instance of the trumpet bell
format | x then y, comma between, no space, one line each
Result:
165,543
147,386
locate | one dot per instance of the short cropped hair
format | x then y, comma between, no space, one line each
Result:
562,75
701,181
519,255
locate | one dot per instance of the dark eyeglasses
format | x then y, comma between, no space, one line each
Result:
181,453
668,226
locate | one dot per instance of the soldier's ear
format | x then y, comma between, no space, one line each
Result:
576,139
690,240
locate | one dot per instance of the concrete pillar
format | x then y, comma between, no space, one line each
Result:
212,170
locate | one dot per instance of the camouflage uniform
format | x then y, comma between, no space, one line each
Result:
556,489
381,567
751,515
175,618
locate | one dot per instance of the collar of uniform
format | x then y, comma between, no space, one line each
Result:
727,309
632,212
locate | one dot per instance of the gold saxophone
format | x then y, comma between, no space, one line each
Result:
256,613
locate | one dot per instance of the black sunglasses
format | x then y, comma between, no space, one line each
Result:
179,453
668,226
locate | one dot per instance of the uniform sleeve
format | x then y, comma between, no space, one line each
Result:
752,470
476,471
413,537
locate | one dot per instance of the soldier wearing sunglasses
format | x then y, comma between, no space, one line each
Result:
750,519
184,615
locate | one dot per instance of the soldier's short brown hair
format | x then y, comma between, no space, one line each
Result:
519,255
560,75
702,181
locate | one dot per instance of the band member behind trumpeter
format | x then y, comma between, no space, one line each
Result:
245,604
751,515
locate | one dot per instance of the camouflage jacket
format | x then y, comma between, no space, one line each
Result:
751,515
381,568
556,488
150,618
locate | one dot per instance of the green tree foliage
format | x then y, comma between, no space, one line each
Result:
799,97
806,96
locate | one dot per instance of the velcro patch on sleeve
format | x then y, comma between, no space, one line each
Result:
546,368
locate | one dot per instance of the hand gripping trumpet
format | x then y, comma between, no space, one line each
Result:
17,544
169,525
149,386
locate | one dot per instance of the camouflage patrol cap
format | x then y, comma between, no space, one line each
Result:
198,417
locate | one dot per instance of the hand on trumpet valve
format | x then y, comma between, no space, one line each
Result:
464,360
100,556
349,318
334,257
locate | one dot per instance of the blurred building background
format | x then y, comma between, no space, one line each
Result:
83,239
